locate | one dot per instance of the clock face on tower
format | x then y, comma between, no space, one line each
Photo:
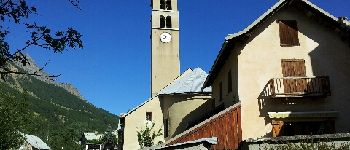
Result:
165,37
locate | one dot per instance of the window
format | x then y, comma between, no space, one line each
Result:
148,116
162,4
229,82
168,21
220,91
288,33
166,127
165,22
162,21
165,4
168,5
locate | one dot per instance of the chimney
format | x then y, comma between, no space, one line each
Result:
344,20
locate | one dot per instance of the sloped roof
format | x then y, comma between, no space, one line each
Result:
138,106
231,38
191,81
36,142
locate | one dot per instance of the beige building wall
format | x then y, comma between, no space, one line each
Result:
255,63
136,120
182,110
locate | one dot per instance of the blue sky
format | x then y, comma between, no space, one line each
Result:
112,71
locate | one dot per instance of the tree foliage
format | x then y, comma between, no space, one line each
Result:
18,12
14,115
109,140
146,136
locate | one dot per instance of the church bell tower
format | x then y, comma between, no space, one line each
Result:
165,65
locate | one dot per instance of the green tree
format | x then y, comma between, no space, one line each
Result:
109,140
146,136
67,138
17,12
13,117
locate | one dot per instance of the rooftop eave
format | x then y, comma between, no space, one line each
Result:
187,93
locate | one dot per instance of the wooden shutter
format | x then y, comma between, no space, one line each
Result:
288,33
294,68
277,128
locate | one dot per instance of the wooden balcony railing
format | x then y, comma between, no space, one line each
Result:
299,87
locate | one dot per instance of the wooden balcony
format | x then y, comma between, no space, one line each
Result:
318,86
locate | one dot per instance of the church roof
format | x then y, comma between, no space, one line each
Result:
340,22
36,142
191,81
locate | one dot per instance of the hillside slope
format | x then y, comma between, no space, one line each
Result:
57,115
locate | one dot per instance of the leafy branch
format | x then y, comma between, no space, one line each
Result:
40,36
146,136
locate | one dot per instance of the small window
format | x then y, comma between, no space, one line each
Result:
148,116
165,4
229,82
220,91
288,33
166,127
162,21
165,22
168,5
162,4
168,21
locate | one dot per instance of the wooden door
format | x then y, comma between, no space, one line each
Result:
294,68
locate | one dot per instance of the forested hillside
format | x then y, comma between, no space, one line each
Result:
54,114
